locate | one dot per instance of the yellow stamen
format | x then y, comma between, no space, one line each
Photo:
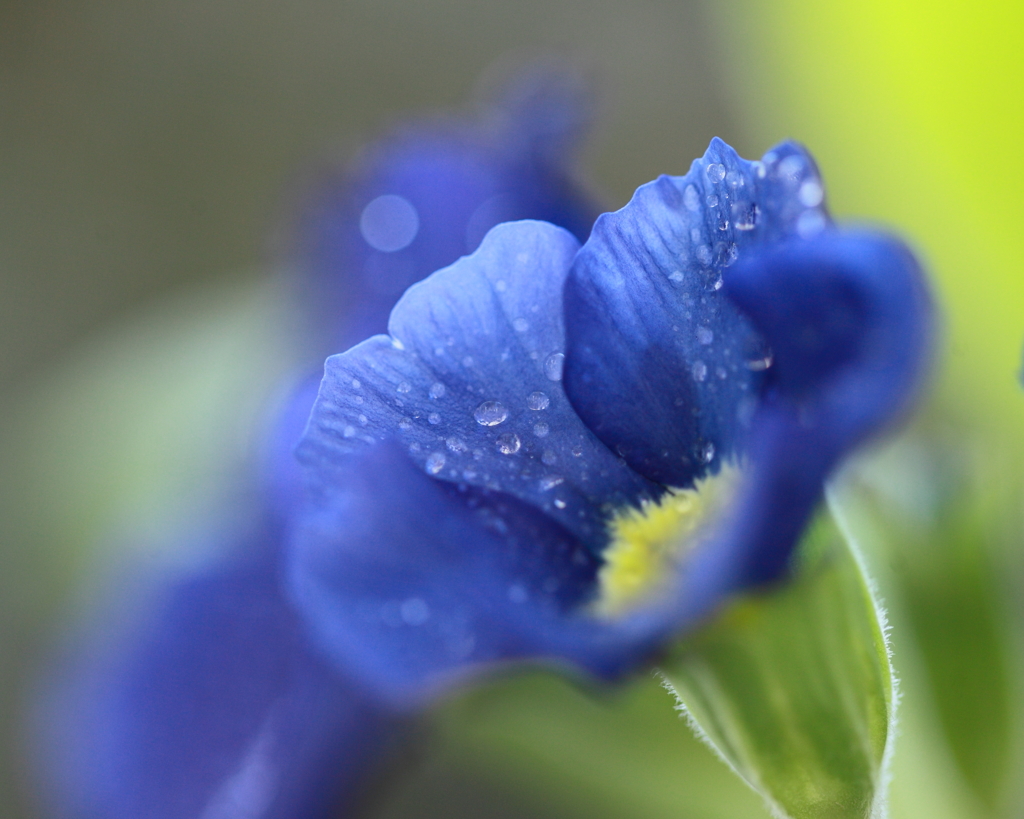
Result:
645,542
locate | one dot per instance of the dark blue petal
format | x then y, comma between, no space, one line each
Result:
429,194
405,580
213,706
849,318
660,364
469,382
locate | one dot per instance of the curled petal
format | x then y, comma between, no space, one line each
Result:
849,318
659,363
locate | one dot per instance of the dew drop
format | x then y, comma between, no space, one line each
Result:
711,200
437,390
363,420
415,611
537,401
745,216
559,503
811,193
508,443
714,283
761,363
517,593
705,335
553,366
691,199
389,223
577,451
707,452
455,444
435,462
404,424
704,254
676,275
699,370
356,383
349,431
549,458
715,172
490,413
541,429
520,325
403,387
434,418
734,180
549,482
809,223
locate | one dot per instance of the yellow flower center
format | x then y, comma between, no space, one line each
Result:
646,542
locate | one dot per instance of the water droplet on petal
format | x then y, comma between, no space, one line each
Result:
549,482
761,363
707,452
691,199
517,593
356,383
405,423
715,172
734,180
415,611
403,387
508,443
437,390
435,462
699,370
559,503
521,325
811,193
541,429
490,413
704,254
537,401
549,458
349,431
705,335
810,222
389,223
577,451
455,444
553,366
711,200
434,418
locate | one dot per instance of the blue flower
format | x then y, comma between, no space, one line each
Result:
715,346
559,452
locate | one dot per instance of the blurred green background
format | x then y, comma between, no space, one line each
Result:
149,158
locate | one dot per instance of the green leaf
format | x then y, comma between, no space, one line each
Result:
793,687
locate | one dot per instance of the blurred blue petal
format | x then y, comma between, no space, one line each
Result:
428,195
210,705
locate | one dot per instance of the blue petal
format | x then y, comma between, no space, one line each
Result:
469,382
849,318
213,706
660,364
429,194
406,580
